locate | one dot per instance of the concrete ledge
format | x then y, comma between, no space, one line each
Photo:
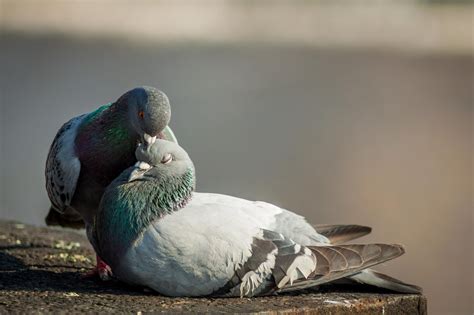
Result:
40,272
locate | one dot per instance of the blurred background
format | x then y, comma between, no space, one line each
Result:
343,111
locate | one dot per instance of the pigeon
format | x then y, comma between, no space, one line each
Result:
156,232
91,150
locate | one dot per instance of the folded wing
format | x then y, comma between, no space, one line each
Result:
338,234
278,264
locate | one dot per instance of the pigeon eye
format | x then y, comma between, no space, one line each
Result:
141,114
166,159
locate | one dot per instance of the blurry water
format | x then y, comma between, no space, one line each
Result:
340,137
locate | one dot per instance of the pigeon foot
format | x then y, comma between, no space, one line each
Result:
102,270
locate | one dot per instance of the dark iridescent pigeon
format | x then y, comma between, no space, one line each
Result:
154,231
91,150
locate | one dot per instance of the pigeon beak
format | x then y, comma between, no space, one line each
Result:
149,140
140,168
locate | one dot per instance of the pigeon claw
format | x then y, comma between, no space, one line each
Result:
105,273
101,270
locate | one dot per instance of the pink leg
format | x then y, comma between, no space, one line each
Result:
101,269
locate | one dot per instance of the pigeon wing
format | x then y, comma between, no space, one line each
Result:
338,234
63,166
336,262
278,264
168,134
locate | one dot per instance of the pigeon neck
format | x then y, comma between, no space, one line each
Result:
112,122
129,210
106,132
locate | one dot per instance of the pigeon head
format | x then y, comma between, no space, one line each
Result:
163,161
148,110
161,182
165,171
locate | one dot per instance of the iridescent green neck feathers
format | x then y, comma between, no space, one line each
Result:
128,208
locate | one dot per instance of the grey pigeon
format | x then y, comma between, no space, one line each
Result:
155,231
92,149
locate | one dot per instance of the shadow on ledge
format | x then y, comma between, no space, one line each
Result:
40,271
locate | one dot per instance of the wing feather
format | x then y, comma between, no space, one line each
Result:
63,166
291,266
334,267
338,234
169,134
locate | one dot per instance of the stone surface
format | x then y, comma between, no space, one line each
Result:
40,271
